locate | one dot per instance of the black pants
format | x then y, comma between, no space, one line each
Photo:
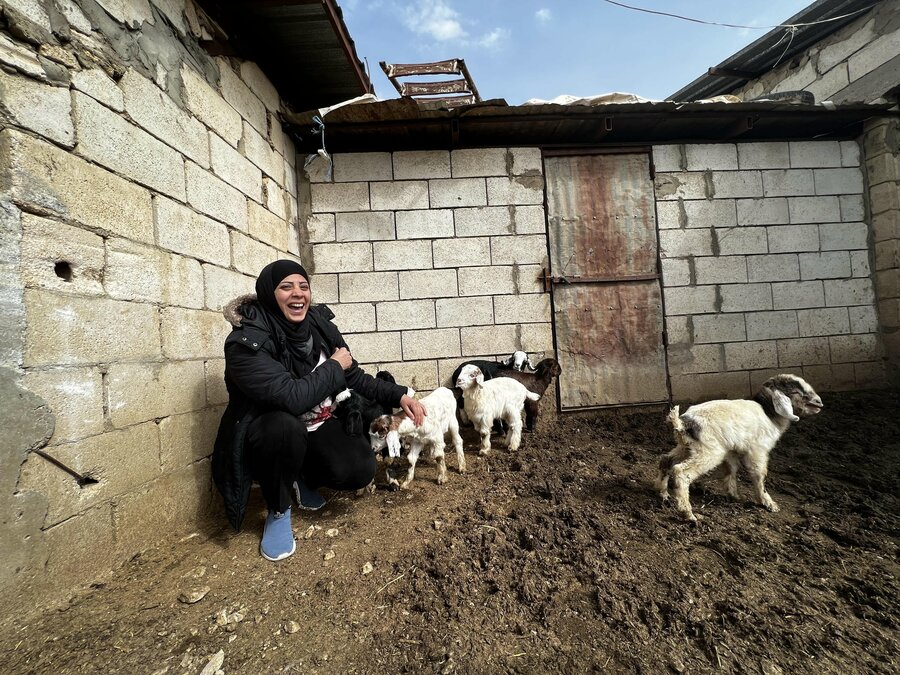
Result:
280,450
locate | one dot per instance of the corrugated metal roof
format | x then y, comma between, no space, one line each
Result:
303,46
400,124
760,56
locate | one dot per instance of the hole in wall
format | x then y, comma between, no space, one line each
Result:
63,270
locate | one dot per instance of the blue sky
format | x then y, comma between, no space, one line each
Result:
521,49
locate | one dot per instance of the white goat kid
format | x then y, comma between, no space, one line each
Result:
387,430
731,433
499,399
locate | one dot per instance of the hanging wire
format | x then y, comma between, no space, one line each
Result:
735,25
792,31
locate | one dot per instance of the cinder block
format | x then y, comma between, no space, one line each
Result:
426,224
850,152
419,164
215,198
521,248
719,328
321,227
871,375
80,547
704,156
793,238
684,359
41,108
81,192
803,352
406,315
479,162
838,236
883,169
260,85
106,138
684,243
830,321
428,284
767,211
184,231
679,329
375,347
223,286
669,215
250,256
852,208
45,244
798,294
668,158
884,197
536,338
708,386
236,170
138,392
830,84
888,283
402,255
746,297
209,106
68,330
142,273
367,226
831,265
798,78
185,439
528,279
838,181
879,51
151,109
864,320
355,317
362,166
669,186
192,333
75,397
266,226
751,355
467,311
241,97
836,52
420,375
763,155
257,149
728,184
815,154
742,241
852,348
486,281
722,270
118,460
773,268
526,161
344,257
365,287
456,192
690,300
887,255
468,252
99,86
216,392
771,325
528,219
399,196
842,292
430,344
788,183
488,340
485,220
531,308
837,377
517,190
676,272
759,377
710,213
814,209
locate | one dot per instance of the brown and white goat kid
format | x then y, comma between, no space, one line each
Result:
387,430
499,399
731,433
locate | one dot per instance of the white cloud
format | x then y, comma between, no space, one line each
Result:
493,39
435,18
543,14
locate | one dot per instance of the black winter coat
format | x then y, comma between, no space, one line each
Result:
259,379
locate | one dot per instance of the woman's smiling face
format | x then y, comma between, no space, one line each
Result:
293,297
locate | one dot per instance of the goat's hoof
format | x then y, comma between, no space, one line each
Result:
773,507
441,480
664,498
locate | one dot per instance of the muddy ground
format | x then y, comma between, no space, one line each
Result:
556,559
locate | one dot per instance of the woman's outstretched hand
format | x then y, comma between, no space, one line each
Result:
413,409
343,356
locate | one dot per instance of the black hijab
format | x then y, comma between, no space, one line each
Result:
298,335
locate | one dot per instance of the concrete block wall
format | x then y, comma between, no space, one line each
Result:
140,190
836,68
766,266
430,258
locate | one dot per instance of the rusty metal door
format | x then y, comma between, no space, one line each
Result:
607,306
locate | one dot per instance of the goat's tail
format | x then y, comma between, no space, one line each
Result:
531,396
682,434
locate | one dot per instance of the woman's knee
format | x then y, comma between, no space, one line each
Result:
276,432
353,473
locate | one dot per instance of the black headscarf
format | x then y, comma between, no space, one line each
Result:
299,338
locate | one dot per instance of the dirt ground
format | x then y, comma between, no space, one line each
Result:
556,559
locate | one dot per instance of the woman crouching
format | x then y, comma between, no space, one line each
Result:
284,360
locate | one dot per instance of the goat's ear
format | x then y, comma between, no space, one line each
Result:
783,405
479,378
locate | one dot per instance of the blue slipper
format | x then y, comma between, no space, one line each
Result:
306,497
278,539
